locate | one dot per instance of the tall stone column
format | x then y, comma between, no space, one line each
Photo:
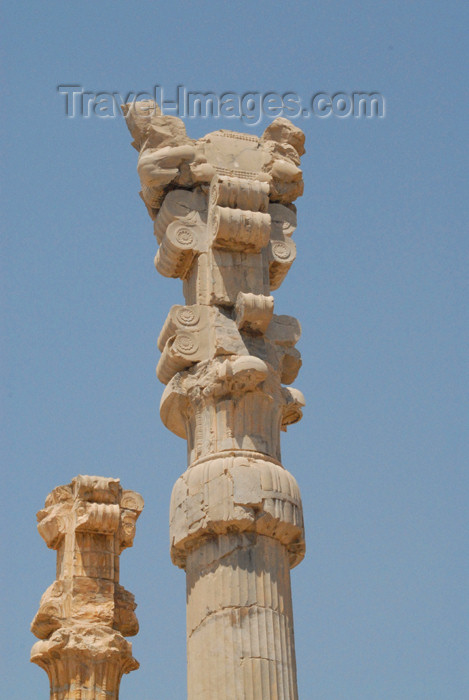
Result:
85,614
223,218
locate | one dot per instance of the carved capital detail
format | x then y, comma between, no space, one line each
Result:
85,614
224,219
237,492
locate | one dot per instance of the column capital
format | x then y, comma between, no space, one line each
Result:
85,614
223,213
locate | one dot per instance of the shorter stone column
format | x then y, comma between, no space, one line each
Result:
85,614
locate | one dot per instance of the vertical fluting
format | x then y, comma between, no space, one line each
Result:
82,666
239,620
223,218
85,614
236,526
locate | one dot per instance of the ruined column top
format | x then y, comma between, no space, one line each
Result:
169,158
85,613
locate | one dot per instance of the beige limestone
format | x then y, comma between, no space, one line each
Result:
224,217
85,614
240,614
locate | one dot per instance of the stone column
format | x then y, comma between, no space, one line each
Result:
85,614
223,217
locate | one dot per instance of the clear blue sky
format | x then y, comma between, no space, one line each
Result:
378,285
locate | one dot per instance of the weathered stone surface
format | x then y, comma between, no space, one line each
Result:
85,614
239,613
236,492
224,217
168,158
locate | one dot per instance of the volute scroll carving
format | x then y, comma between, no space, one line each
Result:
224,220
85,614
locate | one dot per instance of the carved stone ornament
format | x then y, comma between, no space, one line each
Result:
85,614
223,216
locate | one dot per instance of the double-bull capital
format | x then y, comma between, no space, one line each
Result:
223,216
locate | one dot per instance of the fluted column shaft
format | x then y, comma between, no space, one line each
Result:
237,529
239,620
84,664
85,615
224,217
